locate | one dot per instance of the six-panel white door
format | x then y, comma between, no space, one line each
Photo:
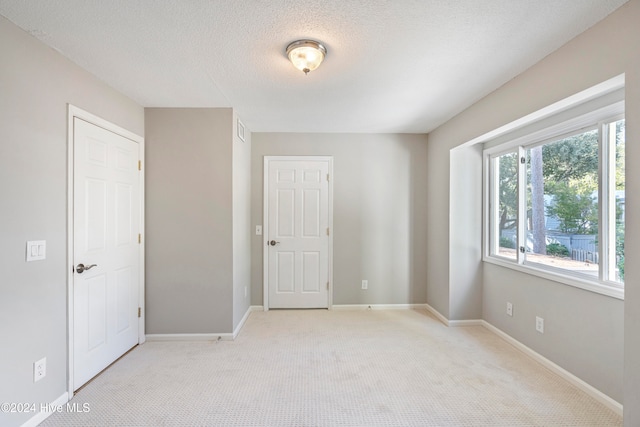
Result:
106,226
298,228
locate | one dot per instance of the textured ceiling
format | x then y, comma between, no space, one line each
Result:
392,66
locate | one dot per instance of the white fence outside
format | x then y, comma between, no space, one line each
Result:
582,247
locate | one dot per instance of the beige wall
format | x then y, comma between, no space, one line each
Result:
382,216
465,269
189,226
380,205
583,330
36,84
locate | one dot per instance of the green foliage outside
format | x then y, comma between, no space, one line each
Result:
557,249
620,249
575,208
620,185
508,191
571,159
570,174
505,242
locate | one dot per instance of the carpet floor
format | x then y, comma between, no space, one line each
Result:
334,368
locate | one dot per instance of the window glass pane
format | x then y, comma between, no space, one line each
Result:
618,130
562,204
505,221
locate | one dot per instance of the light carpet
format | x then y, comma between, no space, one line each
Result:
335,368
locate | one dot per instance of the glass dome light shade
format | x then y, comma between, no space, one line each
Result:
306,55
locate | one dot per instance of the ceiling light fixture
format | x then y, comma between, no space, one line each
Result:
306,55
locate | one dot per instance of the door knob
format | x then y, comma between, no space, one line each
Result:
273,243
81,268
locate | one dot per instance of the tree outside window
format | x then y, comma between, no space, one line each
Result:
563,180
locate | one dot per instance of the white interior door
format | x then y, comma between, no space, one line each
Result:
106,212
297,233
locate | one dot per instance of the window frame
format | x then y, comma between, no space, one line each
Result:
598,118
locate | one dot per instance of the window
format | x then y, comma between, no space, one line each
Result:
555,200
505,169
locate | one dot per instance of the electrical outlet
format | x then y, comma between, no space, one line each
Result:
509,309
365,284
39,369
540,324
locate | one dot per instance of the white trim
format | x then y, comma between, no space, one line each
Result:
330,179
265,223
190,337
469,322
355,307
73,112
437,314
593,92
142,246
236,331
206,337
43,415
452,323
240,130
70,247
265,235
558,370
612,290
566,375
569,127
604,105
105,124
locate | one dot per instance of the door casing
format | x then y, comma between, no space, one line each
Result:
73,112
265,222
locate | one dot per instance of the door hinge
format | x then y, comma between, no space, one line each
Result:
139,165
139,311
327,231
139,238
327,177
327,285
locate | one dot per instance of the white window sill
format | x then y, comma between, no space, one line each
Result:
577,282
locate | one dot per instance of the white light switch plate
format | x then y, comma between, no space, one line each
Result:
36,250
258,230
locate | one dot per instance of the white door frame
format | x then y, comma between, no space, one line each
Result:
73,112
265,223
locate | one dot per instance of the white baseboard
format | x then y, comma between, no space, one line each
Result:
43,415
339,307
236,331
190,337
206,337
470,322
568,376
437,314
453,323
